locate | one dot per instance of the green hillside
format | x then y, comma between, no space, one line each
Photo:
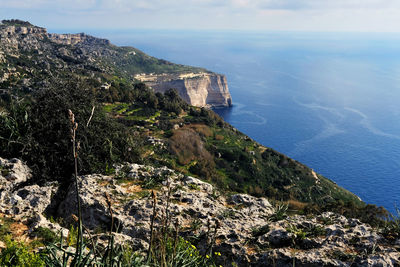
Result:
132,123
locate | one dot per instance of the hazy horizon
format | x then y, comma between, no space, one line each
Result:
270,15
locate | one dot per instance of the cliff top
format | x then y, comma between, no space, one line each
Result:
75,53
16,22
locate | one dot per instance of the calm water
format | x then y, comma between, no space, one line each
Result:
331,101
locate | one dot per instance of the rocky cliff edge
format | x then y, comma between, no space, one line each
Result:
243,230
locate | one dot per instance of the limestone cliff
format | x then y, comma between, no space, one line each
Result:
198,89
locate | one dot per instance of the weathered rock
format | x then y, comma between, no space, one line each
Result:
95,211
14,171
190,200
197,89
73,39
27,203
39,220
239,223
202,185
389,259
286,257
280,238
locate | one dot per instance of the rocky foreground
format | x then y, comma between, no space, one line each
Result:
245,230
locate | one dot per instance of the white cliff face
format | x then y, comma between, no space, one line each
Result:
197,89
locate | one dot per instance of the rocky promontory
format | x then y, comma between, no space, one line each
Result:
24,47
197,89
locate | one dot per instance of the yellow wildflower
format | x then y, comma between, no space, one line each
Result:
207,256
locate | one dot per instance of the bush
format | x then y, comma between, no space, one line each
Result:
188,146
18,255
38,132
45,235
172,102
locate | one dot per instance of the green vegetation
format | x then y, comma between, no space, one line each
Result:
203,145
17,254
133,61
5,224
44,235
37,131
4,171
194,141
391,227
116,124
280,213
261,230
15,22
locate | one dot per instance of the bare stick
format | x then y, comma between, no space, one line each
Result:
75,148
154,196
90,118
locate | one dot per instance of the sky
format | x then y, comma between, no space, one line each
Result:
272,15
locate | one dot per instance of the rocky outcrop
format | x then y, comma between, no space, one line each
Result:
325,240
197,89
192,202
247,232
13,38
73,39
25,203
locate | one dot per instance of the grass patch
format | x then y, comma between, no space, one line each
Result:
19,254
45,235
5,224
4,171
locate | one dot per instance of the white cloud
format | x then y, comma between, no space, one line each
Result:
48,5
357,15
183,4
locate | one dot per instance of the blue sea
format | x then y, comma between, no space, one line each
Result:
328,100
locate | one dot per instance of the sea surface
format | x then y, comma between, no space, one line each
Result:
328,100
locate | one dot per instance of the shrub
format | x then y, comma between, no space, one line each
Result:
371,214
260,230
188,146
5,224
201,129
280,212
37,132
391,227
45,234
172,102
18,255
